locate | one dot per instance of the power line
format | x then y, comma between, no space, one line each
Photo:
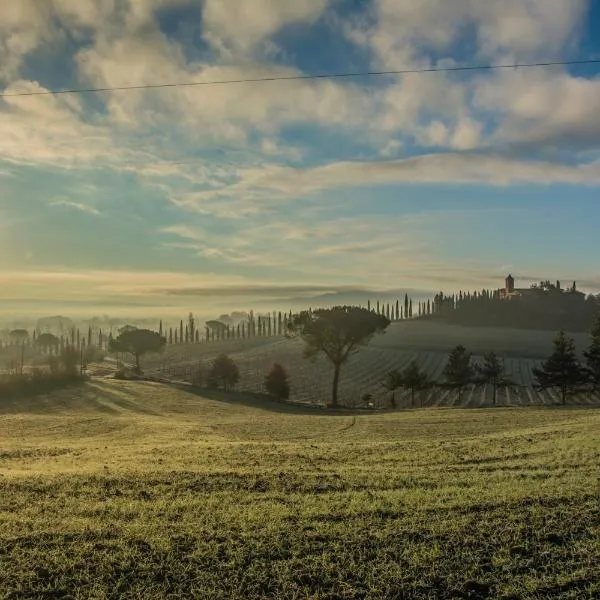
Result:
304,77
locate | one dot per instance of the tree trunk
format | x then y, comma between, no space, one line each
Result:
138,369
495,394
336,383
412,397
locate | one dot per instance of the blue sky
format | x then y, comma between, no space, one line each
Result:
249,192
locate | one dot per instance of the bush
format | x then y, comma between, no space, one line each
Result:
276,382
19,386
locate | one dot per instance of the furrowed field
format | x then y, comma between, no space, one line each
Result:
426,343
138,490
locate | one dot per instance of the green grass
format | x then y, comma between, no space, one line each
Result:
133,490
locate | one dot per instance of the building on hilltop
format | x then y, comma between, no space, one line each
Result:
509,291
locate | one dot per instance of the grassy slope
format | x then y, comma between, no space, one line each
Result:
126,490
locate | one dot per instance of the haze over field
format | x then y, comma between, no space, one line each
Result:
228,197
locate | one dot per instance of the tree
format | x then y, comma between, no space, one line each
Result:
392,382
47,342
592,356
412,378
492,372
337,333
181,331
192,327
224,371
19,337
69,358
562,369
276,382
459,372
138,343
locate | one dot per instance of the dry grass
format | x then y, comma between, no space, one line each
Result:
134,490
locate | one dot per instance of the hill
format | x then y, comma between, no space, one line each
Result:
426,342
137,490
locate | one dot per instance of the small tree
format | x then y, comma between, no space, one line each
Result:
562,369
224,371
337,333
69,359
138,342
392,382
414,379
492,372
459,372
592,356
276,382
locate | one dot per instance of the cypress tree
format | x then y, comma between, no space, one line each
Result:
197,336
243,331
207,334
280,323
78,340
406,306
410,311
160,328
269,328
181,331
171,335
387,312
187,335
592,356
369,305
378,310
176,339
397,310
238,331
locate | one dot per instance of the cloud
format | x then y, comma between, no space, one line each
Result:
239,26
256,187
79,206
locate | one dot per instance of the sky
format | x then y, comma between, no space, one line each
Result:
222,197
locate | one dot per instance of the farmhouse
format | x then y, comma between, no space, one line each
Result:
509,291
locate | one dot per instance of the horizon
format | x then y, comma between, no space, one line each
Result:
218,198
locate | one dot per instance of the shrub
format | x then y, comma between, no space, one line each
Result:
276,382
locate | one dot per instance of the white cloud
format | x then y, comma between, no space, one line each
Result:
79,206
242,24
256,188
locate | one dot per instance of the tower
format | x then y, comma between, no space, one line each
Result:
509,285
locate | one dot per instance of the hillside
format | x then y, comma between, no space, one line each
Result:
137,490
427,343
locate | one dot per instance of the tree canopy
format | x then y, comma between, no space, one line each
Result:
459,371
224,372
337,333
138,342
562,370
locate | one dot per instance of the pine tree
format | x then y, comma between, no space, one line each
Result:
592,355
458,371
562,369
492,372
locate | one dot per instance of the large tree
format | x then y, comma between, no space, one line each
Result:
138,342
459,371
562,370
277,382
337,333
592,356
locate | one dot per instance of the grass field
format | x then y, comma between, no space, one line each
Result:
136,490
